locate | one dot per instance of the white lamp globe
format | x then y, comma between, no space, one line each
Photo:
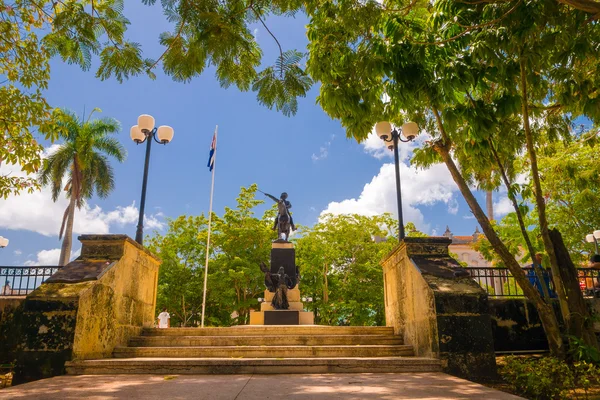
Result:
136,134
589,238
597,234
3,241
383,129
410,130
146,122
165,134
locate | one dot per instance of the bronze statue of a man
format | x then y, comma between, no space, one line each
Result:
282,283
283,221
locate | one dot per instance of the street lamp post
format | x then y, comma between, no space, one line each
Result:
145,131
593,238
392,137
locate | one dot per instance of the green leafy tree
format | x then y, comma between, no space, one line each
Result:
32,32
206,33
83,161
411,230
339,260
239,243
459,69
181,275
571,185
242,241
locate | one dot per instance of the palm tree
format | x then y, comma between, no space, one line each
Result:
83,160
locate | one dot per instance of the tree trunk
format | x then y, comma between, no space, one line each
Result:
65,250
540,202
489,203
513,200
580,314
546,314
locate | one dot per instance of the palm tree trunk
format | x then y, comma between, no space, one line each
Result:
489,204
65,250
545,311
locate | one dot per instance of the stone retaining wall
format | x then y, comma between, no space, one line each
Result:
87,308
516,325
434,304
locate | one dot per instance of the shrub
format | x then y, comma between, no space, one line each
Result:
587,375
538,378
548,377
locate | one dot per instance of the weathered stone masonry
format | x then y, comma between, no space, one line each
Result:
434,304
90,306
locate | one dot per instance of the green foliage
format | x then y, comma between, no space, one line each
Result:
339,260
83,160
32,32
548,377
239,242
83,157
411,230
181,274
508,230
571,183
512,288
580,351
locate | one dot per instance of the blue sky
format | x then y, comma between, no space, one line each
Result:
307,155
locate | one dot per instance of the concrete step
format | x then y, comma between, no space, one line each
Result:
265,351
258,330
252,365
268,340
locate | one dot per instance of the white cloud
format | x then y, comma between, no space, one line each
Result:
453,206
471,216
323,153
45,257
38,213
255,33
419,187
18,252
503,207
50,257
323,150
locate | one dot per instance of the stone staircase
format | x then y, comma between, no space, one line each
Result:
260,350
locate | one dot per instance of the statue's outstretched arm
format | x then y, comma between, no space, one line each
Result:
275,199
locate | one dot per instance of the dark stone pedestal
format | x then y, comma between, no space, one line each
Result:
282,317
283,257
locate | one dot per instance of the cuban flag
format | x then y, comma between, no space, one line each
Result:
211,155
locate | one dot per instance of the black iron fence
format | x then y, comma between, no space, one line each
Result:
20,281
500,282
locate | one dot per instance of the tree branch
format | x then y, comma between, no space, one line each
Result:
588,6
177,36
270,33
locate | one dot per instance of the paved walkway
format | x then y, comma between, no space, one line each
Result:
255,387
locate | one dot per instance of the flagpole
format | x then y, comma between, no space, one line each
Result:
212,187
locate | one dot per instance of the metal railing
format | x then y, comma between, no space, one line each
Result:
499,282
20,281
